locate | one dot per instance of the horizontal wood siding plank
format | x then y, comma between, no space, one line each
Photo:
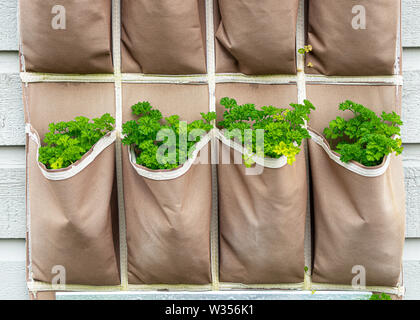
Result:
12,280
12,127
8,25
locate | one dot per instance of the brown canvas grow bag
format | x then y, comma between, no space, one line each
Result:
167,217
72,219
163,37
345,45
261,221
168,224
259,36
82,46
358,220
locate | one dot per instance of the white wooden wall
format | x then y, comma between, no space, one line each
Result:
12,161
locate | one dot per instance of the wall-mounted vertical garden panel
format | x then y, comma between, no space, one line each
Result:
108,219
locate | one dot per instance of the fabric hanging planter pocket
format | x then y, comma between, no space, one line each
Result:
73,216
72,37
261,218
359,215
260,36
168,221
354,38
163,37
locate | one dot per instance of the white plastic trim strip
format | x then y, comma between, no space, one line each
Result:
366,172
29,77
301,87
72,170
43,286
183,79
350,80
49,77
211,74
264,162
170,174
242,78
116,49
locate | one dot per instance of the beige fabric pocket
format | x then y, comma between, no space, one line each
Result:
354,37
72,219
261,220
260,36
168,225
72,37
168,221
163,37
359,221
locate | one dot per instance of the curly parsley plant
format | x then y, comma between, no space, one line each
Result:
151,131
283,128
67,142
365,138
